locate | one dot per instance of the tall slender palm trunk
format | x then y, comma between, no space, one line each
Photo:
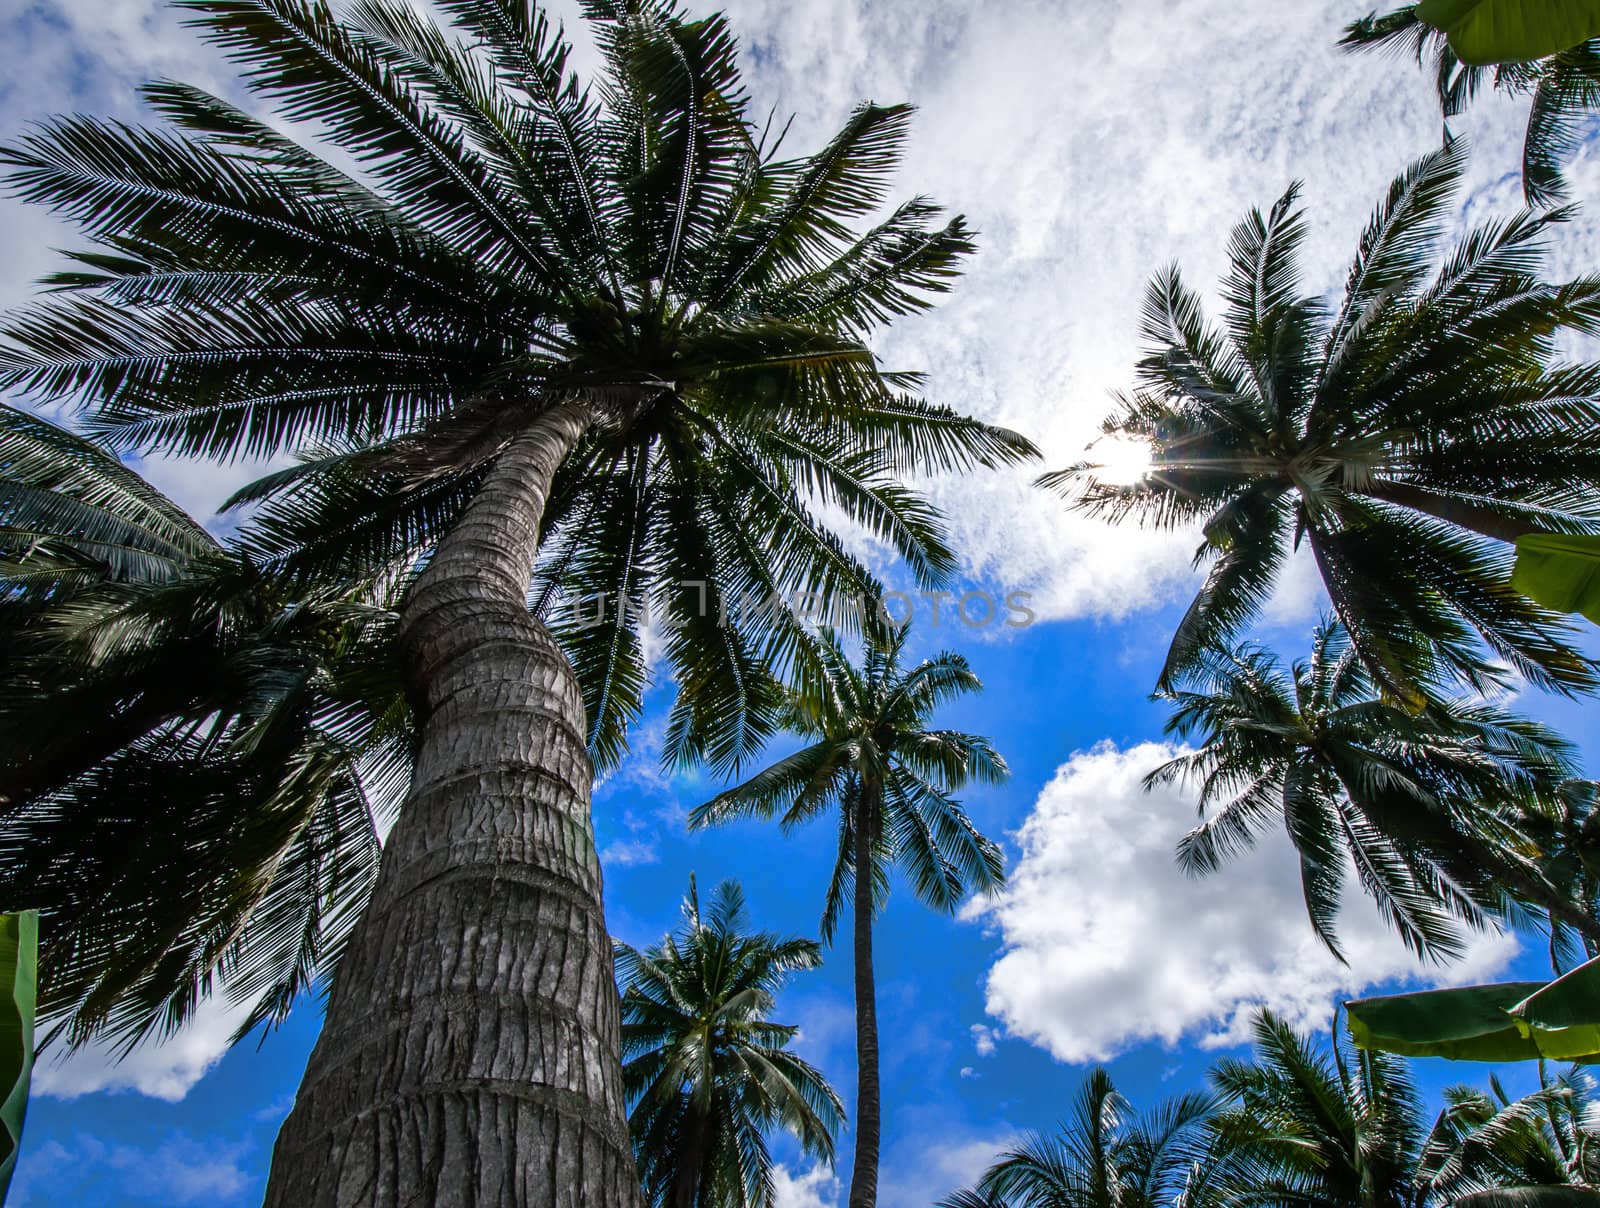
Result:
691,1157
470,1055
864,1173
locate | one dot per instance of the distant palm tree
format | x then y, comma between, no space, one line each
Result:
1104,1157
874,759
191,753
1300,1126
1488,1150
538,339
1565,91
706,1072
1406,438
1424,805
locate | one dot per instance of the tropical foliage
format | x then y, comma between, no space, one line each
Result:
505,246
533,340
19,948
1317,1128
1103,1156
194,757
707,1071
873,758
1554,60
1426,807
1406,437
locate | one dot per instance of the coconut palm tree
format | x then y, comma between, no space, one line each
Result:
1324,1129
873,759
1424,806
1406,438
1488,1150
1568,856
534,338
707,1072
1103,1156
1564,90
192,755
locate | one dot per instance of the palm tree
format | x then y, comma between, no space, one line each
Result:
1565,90
192,756
1488,1143
1404,438
596,341
706,1071
873,758
1104,1157
1424,805
1341,1129
1567,846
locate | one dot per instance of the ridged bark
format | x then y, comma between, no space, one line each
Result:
470,1055
869,1106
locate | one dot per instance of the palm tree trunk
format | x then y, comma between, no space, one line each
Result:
1484,521
869,1107
686,1186
470,1055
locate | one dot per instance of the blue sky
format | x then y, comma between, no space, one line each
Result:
1089,149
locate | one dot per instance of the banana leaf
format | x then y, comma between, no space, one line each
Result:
1512,31
1507,1021
19,952
1560,572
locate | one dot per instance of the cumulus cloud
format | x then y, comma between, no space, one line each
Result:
816,1188
1106,944
163,1071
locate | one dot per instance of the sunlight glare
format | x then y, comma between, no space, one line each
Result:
1120,461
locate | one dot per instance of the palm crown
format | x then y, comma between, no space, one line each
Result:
1321,1129
1564,90
1403,437
706,1069
1102,1156
1424,806
875,759
508,242
193,756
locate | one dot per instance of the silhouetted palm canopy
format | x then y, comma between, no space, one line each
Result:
870,726
707,1072
507,240
1316,1129
1565,91
1424,806
1103,1156
1404,436
192,756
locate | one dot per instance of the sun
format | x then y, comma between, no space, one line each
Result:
1120,461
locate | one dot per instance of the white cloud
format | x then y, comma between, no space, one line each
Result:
166,1070
1089,144
941,1160
816,1188
1107,944
178,1171
629,853
983,1039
